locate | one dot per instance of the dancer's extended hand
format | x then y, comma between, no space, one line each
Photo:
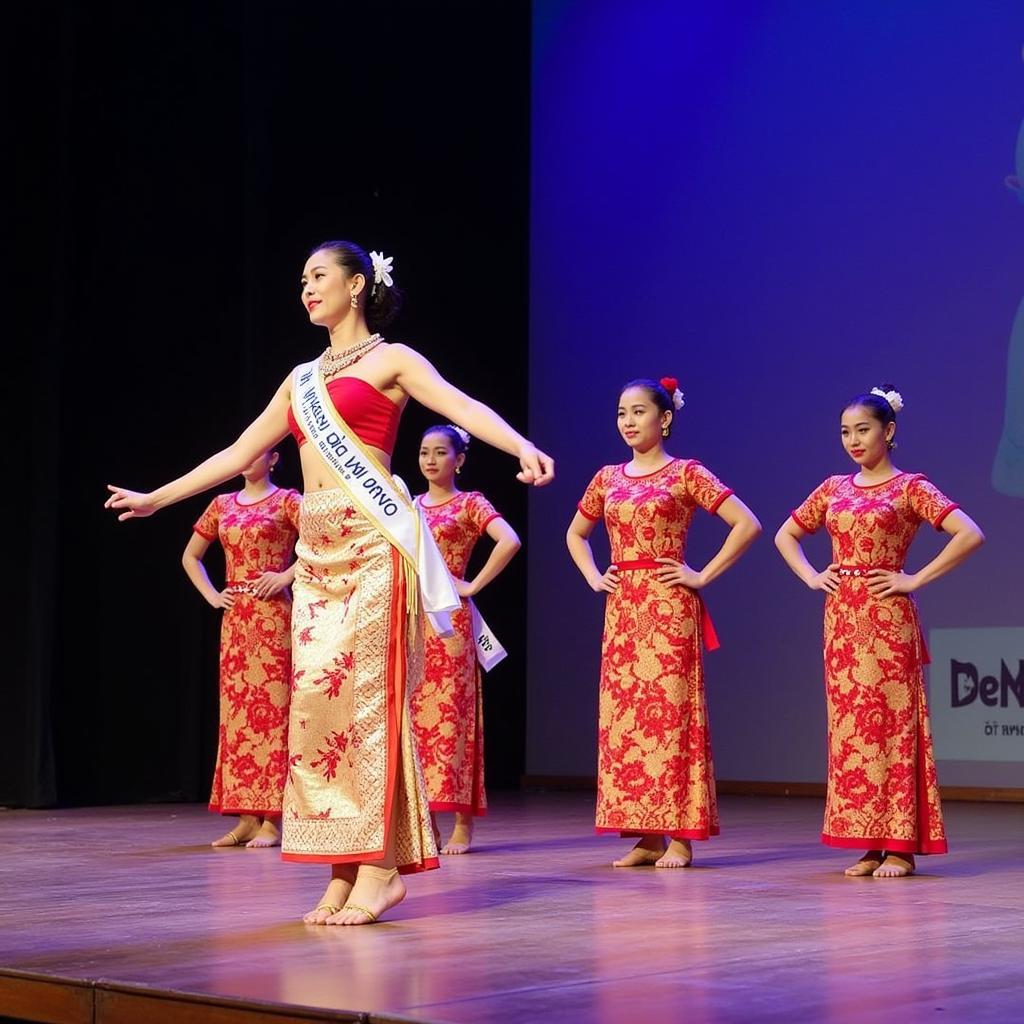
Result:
270,583
885,583
608,582
678,574
135,504
537,468
827,579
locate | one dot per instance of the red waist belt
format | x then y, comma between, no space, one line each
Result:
707,627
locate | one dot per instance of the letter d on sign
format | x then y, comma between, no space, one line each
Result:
956,670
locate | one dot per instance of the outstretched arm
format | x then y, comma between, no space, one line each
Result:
418,378
260,436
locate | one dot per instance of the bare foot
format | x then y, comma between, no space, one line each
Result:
267,836
867,865
647,851
462,836
678,855
335,895
246,829
376,891
895,866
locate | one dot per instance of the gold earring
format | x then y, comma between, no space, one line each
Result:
458,469
664,431
355,301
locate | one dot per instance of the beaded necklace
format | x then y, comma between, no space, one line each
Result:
332,362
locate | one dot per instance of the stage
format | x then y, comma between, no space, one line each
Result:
126,914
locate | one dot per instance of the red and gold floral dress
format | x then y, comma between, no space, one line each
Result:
655,772
447,707
255,652
882,787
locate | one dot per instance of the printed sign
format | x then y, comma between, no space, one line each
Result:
977,694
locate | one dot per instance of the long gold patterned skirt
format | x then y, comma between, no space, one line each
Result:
655,773
883,791
448,719
255,668
356,654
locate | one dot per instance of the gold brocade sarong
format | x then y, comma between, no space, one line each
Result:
356,656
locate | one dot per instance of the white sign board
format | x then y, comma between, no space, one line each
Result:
977,694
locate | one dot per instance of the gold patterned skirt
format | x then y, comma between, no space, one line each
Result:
356,654
883,790
655,771
448,719
255,669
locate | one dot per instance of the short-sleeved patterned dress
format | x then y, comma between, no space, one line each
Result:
255,652
655,771
883,791
447,706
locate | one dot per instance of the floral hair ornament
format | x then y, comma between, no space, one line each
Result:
464,434
381,269
894,398
671,385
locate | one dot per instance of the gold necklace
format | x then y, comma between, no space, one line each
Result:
332,362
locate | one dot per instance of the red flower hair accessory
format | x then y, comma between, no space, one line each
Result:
671,385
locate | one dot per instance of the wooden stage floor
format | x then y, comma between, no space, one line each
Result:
139,919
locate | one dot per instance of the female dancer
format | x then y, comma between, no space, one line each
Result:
883,794
447,708
655,774
354,796
257,528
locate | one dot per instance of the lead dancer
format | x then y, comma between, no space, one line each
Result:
354,797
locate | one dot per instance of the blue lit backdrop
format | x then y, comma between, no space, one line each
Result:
781,204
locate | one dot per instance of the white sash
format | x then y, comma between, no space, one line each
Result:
383,499
489,651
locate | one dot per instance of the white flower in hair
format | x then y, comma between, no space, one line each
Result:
464,434
677,399
382,268
894,398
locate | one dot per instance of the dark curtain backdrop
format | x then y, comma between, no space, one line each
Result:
172,166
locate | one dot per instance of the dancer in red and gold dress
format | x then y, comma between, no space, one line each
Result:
354,797
447,708
655,773
883,794
257,528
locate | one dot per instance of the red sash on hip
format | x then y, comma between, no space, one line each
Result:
707,627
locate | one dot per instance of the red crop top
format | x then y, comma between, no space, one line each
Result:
372,416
